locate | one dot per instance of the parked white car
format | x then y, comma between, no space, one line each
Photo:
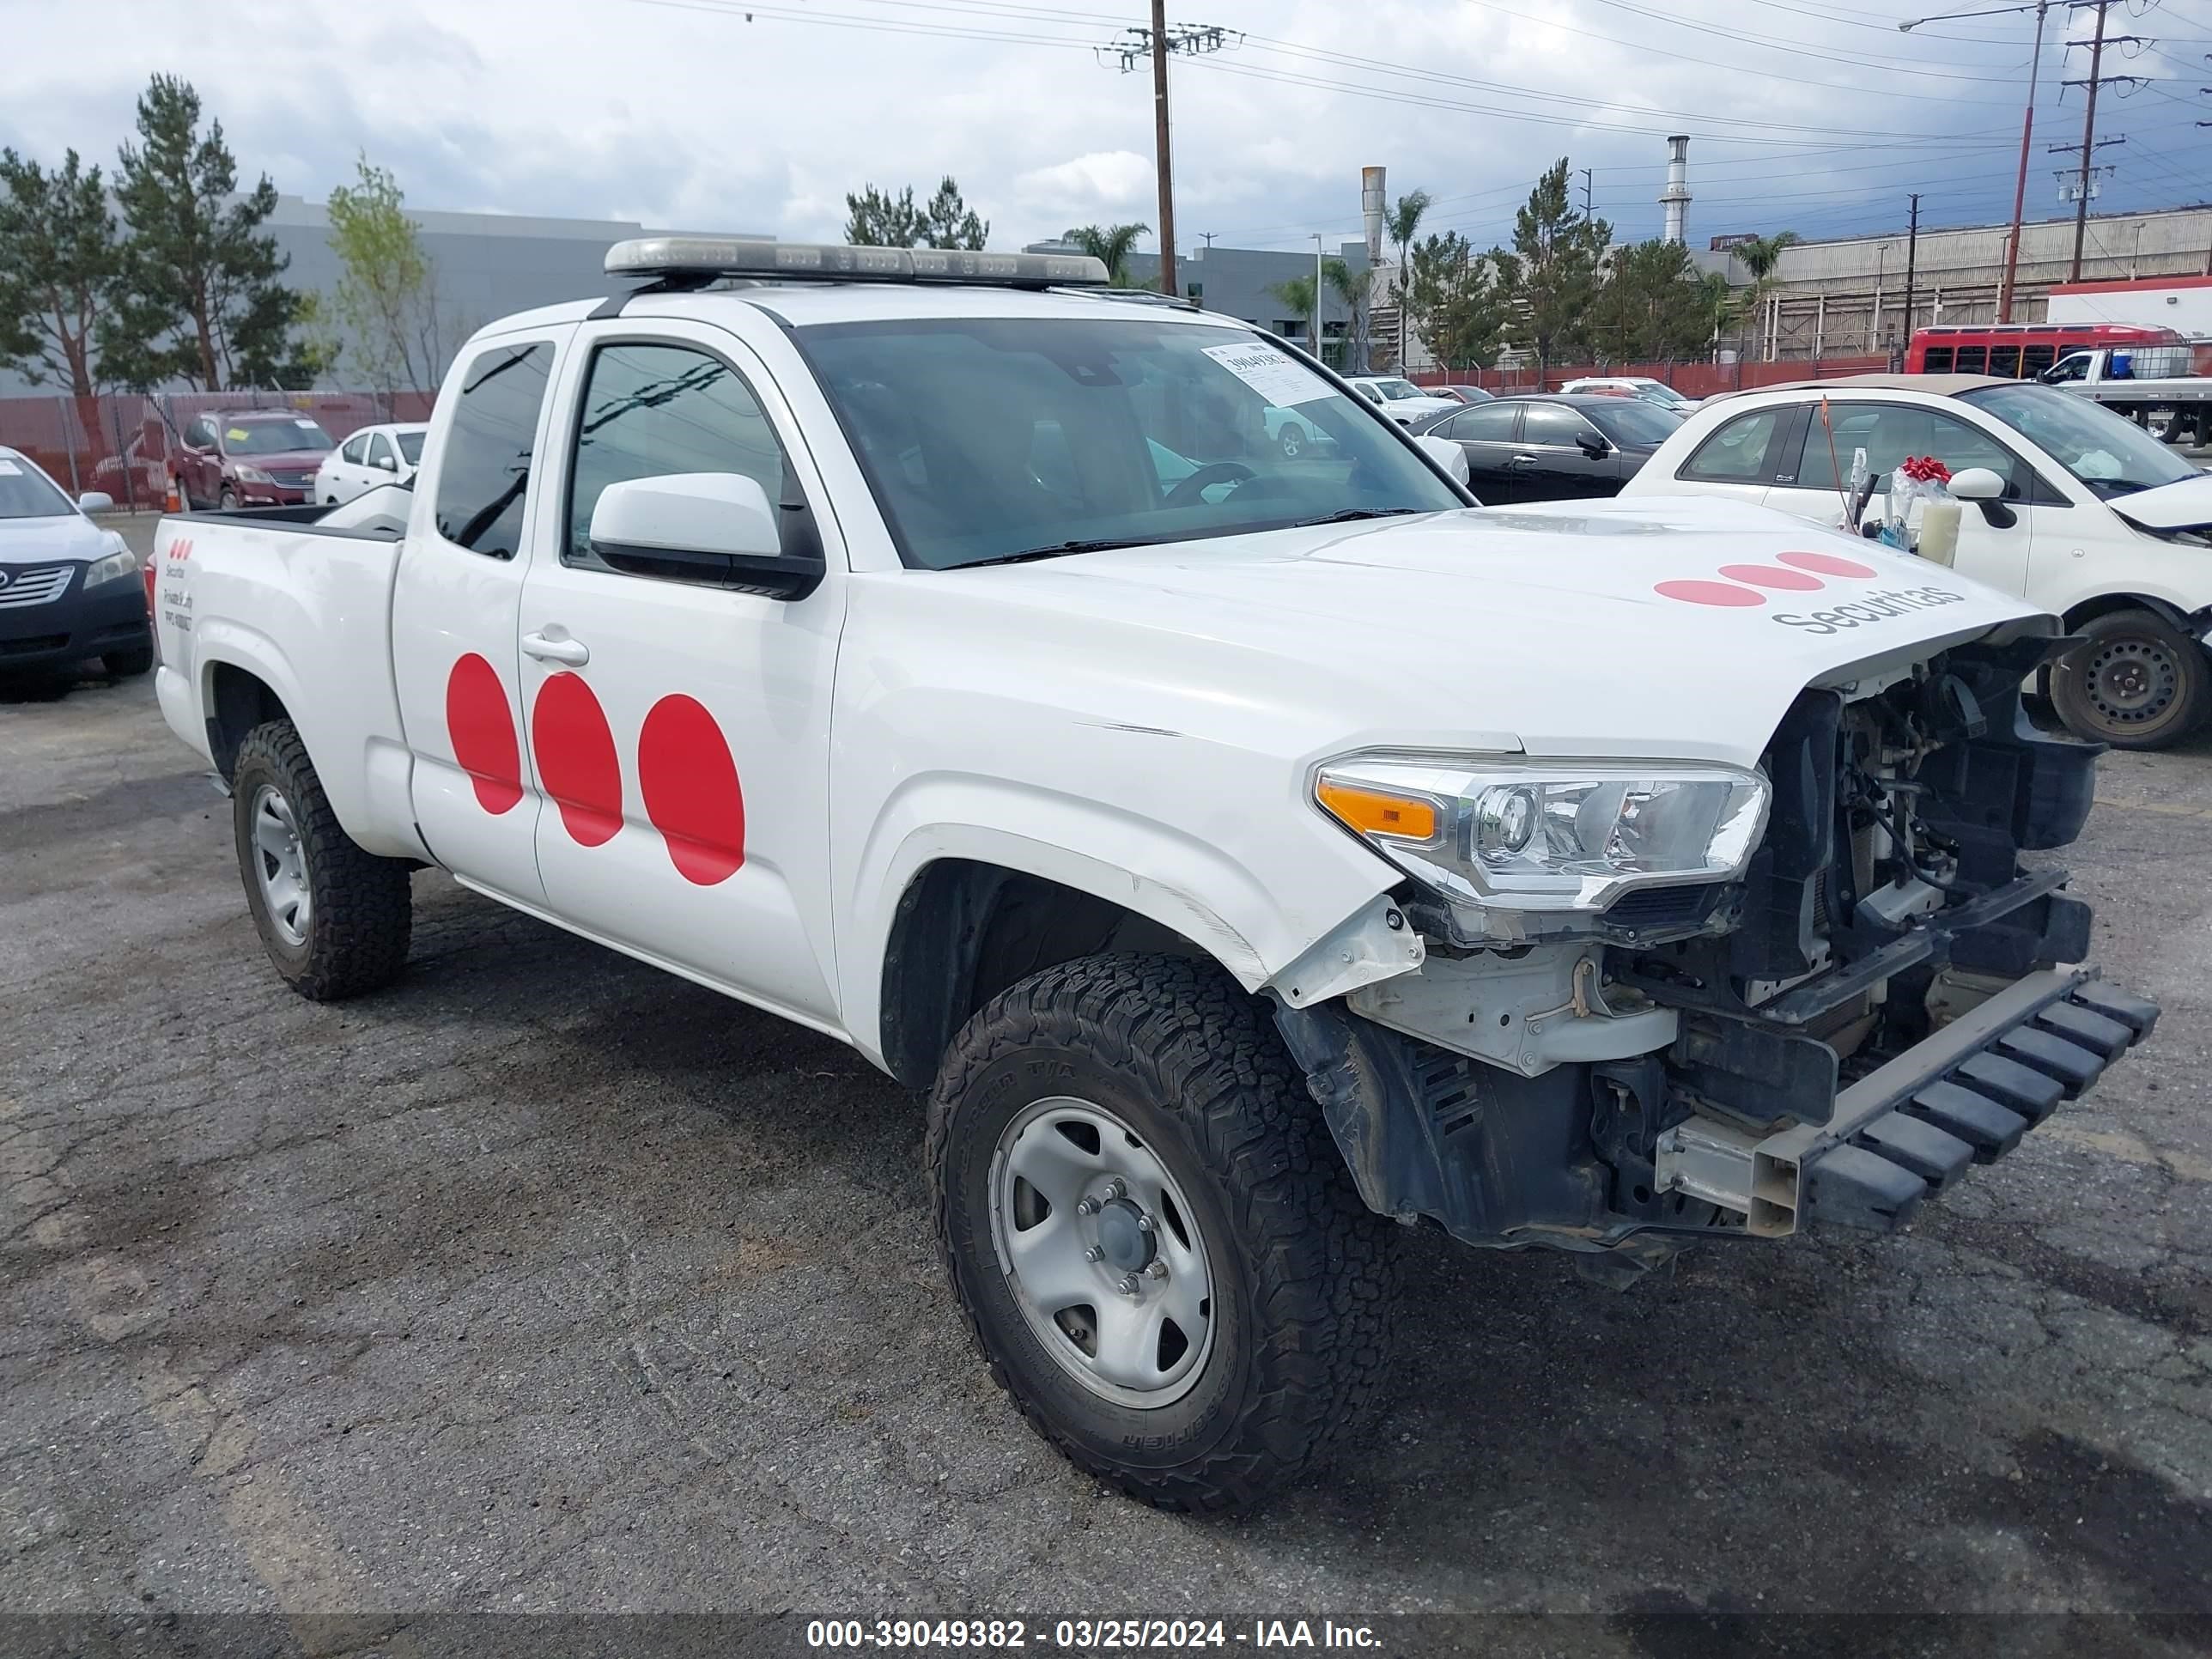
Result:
373,456
2086,515
1632,386
1401,400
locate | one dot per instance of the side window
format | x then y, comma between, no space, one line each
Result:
485,467
199,434
1936,360
2005,360
653,410
380,451
357,448
1960,446
1887,432
1972,360
1556,425
1486,422
1368,393
2072,367
2035,359
1742,451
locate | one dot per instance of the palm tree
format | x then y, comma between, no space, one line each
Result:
1351,287
1298,296
1402,223
1759,256
1111,246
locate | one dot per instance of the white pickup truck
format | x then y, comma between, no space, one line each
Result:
2155,387
1244,851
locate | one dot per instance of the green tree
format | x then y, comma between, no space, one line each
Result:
1354,288
58,258
386,299
1551,276
1655,305
1111,246
1301,299
1760,255
1456,303
1402,223
201,298
876,218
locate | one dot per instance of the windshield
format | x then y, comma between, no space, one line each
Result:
1632,421
2110,453
274,437
994,438
1397,391
1665,396
25,493
411,446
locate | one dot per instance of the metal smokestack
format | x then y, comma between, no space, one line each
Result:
1675,198
1370,211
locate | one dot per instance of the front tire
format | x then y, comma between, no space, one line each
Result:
226,499
1152,1232
2134,681
335,919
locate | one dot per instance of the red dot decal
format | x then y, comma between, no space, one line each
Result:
480,725
1828,564
1709,593
1770,575
576,761
689,784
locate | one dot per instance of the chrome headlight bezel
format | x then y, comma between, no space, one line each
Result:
1487,813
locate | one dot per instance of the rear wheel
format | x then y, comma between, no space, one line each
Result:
2166,425
1292,440
335,919
1152,1233
2135,681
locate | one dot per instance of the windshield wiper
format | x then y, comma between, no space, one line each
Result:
1349,514
1029,555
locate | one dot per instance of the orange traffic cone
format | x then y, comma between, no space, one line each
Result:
171,503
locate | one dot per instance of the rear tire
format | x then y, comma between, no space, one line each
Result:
335,919
1163,1070
2135,681
1293,442
128,665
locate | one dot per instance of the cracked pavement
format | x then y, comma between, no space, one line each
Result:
544,1281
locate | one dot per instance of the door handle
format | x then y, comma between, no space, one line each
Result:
1524,460
574,652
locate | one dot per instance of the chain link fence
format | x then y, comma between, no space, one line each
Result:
120,444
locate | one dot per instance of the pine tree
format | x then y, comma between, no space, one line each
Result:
1551,276
876,218
59,259
201,298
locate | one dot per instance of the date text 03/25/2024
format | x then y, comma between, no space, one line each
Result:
1084,1635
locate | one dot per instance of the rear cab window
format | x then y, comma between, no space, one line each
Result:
483,468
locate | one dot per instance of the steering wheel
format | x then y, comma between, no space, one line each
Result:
1206,477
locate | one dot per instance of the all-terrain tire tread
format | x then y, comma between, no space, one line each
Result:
363,905
1322,1263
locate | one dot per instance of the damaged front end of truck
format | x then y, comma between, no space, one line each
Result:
1865,988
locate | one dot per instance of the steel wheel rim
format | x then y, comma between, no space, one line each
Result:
1081,1209
2132,682
280,865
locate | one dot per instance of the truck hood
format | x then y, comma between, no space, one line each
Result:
284,460
42,541
1658,627
2184,505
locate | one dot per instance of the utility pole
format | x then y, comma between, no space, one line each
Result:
1155,43
1911,263
2019,190
1588,212
2089,133
1164,154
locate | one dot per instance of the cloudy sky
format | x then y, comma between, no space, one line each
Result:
718,114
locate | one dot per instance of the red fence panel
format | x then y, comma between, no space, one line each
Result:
1692,380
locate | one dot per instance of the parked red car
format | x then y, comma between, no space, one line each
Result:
250,458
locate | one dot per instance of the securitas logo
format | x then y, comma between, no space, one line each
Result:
1802,573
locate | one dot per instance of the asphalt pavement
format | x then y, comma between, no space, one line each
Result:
545,1282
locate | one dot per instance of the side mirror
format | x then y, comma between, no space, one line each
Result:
96,500
711,528
385,463
1446,454
1978,483
1597,449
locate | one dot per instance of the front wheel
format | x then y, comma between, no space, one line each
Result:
227,500
335,919
2135,681
1152,1233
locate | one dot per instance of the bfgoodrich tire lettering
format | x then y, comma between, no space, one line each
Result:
358,908
1300,1272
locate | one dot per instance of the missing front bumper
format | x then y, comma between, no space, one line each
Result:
1967,1095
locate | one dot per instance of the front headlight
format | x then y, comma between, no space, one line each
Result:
1566,836
251,475
110,568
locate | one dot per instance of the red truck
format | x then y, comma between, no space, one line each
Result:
249,458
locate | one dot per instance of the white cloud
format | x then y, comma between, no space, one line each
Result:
1109,184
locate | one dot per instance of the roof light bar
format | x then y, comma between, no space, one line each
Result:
666,257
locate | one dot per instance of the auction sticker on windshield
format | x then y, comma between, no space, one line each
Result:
1281,380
